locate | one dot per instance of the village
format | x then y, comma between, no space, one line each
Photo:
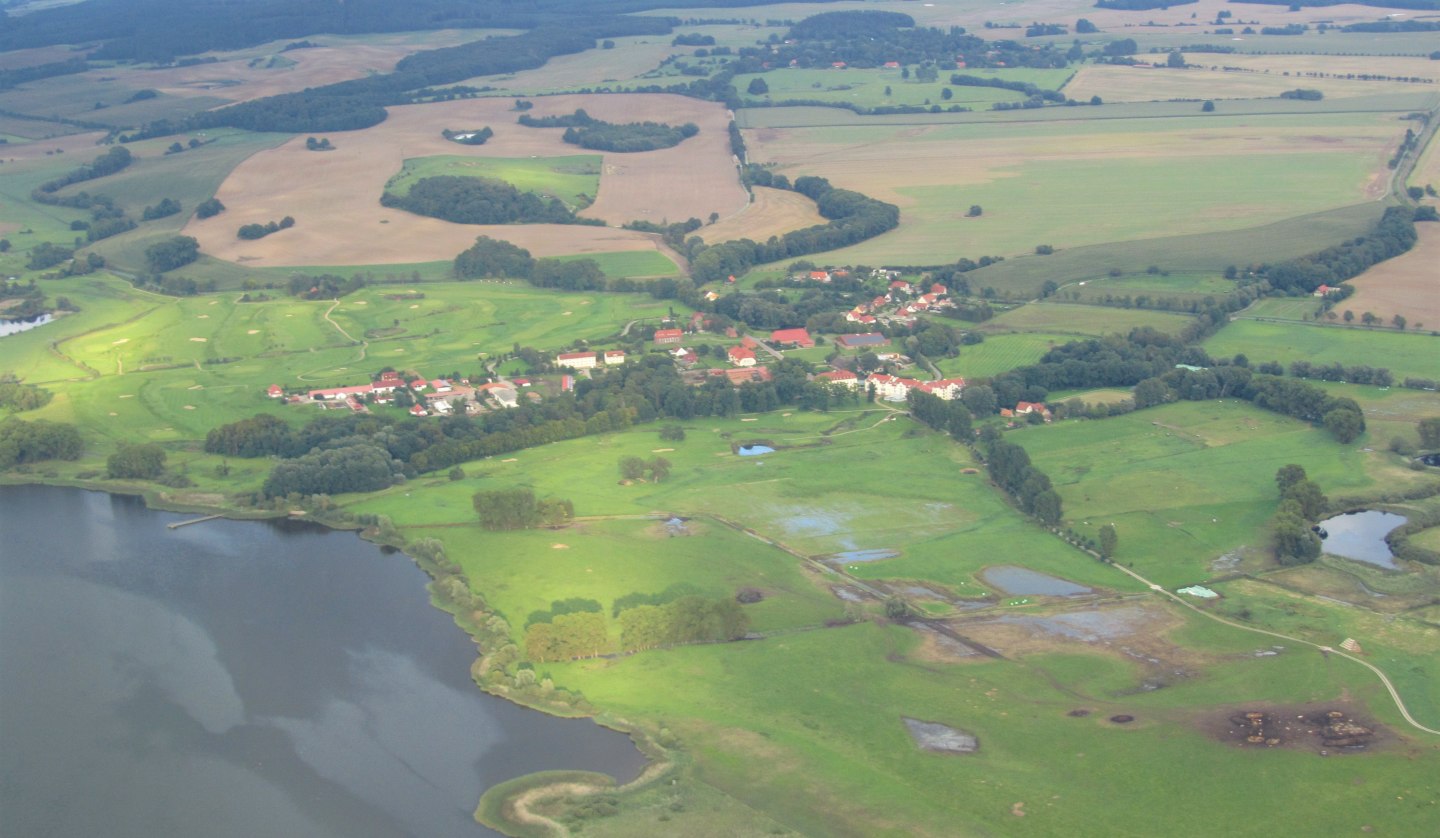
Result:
701,349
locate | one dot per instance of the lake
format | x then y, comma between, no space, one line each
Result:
15,327
240,679
1361,536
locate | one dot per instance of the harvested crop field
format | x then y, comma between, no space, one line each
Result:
1408,285
1143,83
334,196
774,212
241,76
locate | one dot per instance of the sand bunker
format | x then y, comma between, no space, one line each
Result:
198,340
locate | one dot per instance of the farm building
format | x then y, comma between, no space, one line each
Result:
842,377
664,337
793,337
275,391
740,356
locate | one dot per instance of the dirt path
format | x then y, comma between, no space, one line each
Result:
1394,694
518,807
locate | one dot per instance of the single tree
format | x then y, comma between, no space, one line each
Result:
1107,541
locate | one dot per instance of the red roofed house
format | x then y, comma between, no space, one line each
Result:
843,377
419,384
275,392
901,285
795,337
892,65
340,392
668,336
417,410
740,356
944,388
891,388
749,342
745,375
820,276
839,65
1325,290
1027,408
939,289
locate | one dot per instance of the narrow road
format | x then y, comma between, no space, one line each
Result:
1394,694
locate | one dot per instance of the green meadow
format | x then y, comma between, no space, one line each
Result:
1080,320
573,180
868,88
631,264
1002,352
1186,483
1403,353
1180,286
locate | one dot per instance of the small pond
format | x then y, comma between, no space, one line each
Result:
852,556
1361,536
754,450
1019,581
1430,459
15,327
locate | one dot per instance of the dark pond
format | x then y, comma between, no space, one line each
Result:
242,679
15,327
754,450
1430,459
1361,536
1019,581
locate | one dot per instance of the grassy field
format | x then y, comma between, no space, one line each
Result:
1064,182
1298,309
867,88
1088,321
574,180
1001,352
1403,353
1177,286
634,264
1185,483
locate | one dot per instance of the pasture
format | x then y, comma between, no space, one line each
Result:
1299,309
1179,287
1002,352
1068,182
1403,353
692,179
1185,483
632,264
867,88
1255,81
1408,285
574,180
1088,321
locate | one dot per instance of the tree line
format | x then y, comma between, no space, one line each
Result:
1392,235
481,200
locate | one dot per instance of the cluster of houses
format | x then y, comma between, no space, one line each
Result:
894,388
437,397
900,304
591,360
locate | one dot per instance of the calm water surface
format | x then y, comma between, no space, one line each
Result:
15,327
242,679
1361,536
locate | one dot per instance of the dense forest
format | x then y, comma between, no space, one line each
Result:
478,200
132,29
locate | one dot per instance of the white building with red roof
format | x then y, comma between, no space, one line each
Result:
740,356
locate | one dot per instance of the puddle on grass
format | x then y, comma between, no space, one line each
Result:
1019,581
858,556
754,450
933,736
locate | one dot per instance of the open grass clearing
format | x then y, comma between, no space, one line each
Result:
1066,183
573,180
867,87
690,180
1186,483
1089,321
1403,353
1408,285
1002,352
1299,309
631,264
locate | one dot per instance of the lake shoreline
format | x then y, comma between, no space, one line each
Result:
506,810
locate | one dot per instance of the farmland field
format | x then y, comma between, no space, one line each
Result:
1404,353
1089,321
573,180
1408,285
693,179
773,212
1001,352
1063,182
866,88
1144,84
1299,309
635,264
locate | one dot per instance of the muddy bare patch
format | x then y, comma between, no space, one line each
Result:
1134,632
942,739
1325,729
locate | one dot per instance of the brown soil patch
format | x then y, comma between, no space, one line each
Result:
1133,632
335,197
774,212
1408,285
1327,729
15,59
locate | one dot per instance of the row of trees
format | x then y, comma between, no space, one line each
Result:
23,442
585,633
1010,468
479,200
112,161
1393,235
519,509
250,232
